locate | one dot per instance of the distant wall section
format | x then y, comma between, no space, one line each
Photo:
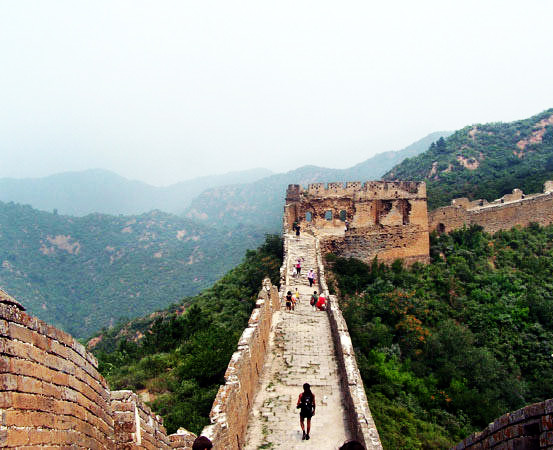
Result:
504,213
528,428
385,219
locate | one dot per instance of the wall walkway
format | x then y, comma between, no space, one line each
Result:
302,348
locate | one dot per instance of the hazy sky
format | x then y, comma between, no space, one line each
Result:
162,91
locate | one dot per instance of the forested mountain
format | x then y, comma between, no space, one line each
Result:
261,203
179,356
83,273
484,161
446,348
102,191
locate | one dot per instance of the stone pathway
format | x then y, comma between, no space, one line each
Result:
301,350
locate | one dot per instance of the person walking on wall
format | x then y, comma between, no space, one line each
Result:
289,301
298,231
313,301
306,405
311,277
298,267
297,296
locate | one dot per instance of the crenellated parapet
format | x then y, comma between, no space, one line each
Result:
514,209
368,190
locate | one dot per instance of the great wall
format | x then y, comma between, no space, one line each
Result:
52,395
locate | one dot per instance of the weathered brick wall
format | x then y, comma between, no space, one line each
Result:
528,428
356,405
135,426
504,213
51,394
231,408
386,219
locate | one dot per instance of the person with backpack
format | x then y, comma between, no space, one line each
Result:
313,301
306,405
289,301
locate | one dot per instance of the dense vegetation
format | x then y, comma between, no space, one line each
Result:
182,356
260,203
484,161
83,273
445,348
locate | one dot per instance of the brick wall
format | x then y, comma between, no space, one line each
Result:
504,213
385,219
51,394
231,408
528,428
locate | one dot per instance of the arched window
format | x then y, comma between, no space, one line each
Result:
308,216
343,215
441,228
328,215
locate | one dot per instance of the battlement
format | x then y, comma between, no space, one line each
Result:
506,212
368,189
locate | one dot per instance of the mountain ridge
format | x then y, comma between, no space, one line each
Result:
79,193
484,161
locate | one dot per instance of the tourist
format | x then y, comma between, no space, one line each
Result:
313,301
297,296
306,405
311,277
321,303
352,445
289,301
295,225
347,225
202,443
298,231
298,267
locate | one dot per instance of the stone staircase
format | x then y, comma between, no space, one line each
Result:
301,351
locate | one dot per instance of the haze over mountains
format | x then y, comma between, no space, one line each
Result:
83,273
102,191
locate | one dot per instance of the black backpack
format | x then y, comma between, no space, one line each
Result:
306,403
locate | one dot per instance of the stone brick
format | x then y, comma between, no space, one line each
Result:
504,213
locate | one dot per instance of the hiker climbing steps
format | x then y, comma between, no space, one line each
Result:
301,351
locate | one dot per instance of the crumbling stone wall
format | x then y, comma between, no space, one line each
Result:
504,213
135,425
385,219
52,395
528,428
231,408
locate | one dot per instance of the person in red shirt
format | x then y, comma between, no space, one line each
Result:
306,405
321,303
